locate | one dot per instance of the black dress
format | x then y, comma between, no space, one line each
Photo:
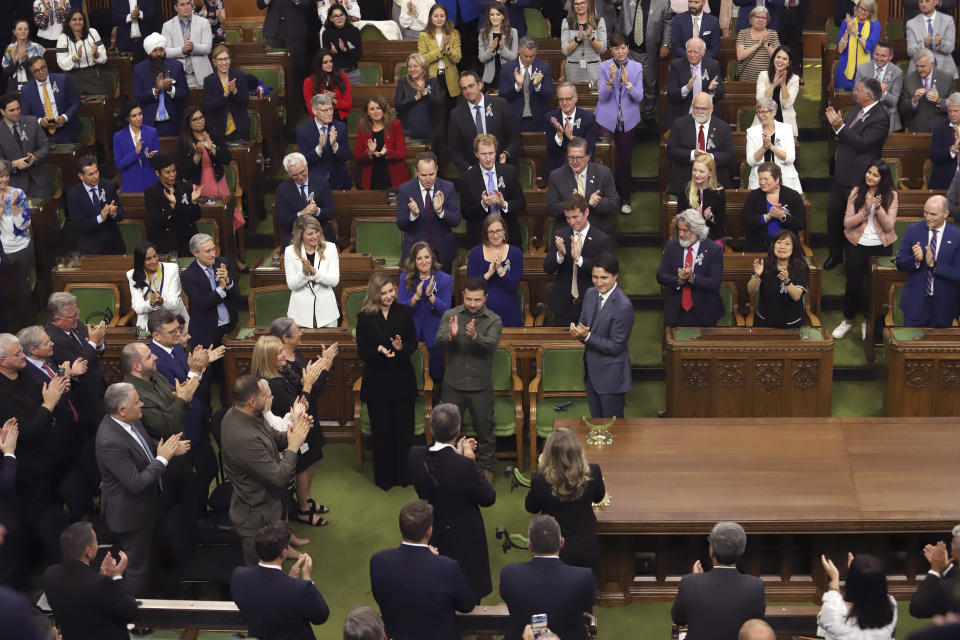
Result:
380,178
716,201
286,388
577,520
775,307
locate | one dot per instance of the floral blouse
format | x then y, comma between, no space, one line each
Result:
209,11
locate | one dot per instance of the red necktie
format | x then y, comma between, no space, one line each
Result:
686,295
53,374
701,142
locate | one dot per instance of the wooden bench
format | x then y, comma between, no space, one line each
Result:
788,622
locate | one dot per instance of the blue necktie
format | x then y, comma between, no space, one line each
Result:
95,198
491,187
930,27
223,316
161,107
933,249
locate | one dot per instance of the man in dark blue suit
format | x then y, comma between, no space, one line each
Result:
527,85
272,603
306,193
213,293
94,209
323,142
427,211
944,146
682,77
707,29
61,123
160,86
547,585
418,590
566,123
134,24
930,254
690,271
606,321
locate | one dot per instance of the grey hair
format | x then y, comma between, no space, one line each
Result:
198,240
728,540
319,99
5,167
117,396
953,99
363,624
58,301
956,535
31,337
767,103
445,422
922,53
758,10
281,327
694,221
527,42
292,160
6,340
568,85
695,40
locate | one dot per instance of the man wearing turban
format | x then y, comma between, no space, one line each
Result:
160,86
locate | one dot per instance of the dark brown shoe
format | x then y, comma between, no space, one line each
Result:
487,475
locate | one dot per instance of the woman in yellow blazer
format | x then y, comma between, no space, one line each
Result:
439,44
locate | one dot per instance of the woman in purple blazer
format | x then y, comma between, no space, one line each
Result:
429,291
620,83
133,147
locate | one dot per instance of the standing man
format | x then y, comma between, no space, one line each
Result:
53,101
860,137
24,143
527,85
925,90
190,41
691,271
566,123
888,74
689,76
289,25
792,18
481,114
944,146
604,328
261,473
490,187
937,594
933,30
468,335
594,182
427,211
696,133
570,260
163,405
94,210
134,19
649,24
695,23
323,142
305,193
172,209
131,473
160,86
930,257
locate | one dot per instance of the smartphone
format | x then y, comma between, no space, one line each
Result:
538,623
61,372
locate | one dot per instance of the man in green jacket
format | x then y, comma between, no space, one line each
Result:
163,406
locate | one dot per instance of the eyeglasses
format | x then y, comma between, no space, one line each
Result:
763,111
495,232
562,99
197,119
577,158
222,59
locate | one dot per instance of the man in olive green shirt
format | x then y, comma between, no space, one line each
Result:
163,406
469,335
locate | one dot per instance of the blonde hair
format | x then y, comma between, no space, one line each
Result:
263,364
379,279
693,193
302,224
416,55
564,465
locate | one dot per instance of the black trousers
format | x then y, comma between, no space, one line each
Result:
857,263
570,314
791,33
391,425
836,210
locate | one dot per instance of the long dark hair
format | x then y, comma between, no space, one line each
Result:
139,257
884,188
797,263
504,27
322,79
866,590
84,32
185,130
412,276
772,71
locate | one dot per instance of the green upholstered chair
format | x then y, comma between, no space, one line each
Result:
255,131
896,172
524,240
351,301
526,172
258,34
731,317
833,32
894,28
110,79
353,122
233,36
88,136
370,73
133,233
370,32
894,317
210,227
733,70
270,75
745,117
507,403
379,237
267,304
96,301
421,411
559,379
536,25
399,71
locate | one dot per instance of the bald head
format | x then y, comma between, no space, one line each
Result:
702,107
756,629
696,48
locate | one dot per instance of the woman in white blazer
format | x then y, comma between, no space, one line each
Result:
780,83
772,141
154,285
312,268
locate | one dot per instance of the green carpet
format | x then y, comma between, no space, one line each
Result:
646,214
833,282
638,270
646,341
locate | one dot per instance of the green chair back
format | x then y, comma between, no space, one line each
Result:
524,240
833,33
726,295
132,234
55,178
354,303
897,313
400,71
536,28
207,227
927,171
502,370
231,177
111,81
525,175
745,117
417,361
522,300
87,134
894,173
269,76
269,305
254,124
370,32
904,66
899,228
733,70
370,73
381,239
233,36
353,122
548,230
258,35
562,370
94,304
895,29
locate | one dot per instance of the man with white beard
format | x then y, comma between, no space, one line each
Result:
699,132
691,271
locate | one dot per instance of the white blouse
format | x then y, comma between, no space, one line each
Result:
169,290
833,623
783,139
67,48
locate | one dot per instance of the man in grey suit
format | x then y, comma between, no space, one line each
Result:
591,180
649,39
936,31
190,41
131,474
25,145
259,472
606,321
890,77
925,91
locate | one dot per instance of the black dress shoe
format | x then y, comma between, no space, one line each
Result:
831,263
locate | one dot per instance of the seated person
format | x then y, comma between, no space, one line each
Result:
172,209
427,209
312,269
695,23
497,117
890,77
160,86
226,95
134,148
94,209
25,146
922,103
690,75
189,40
771,140
944,146
419,100
534,101
780,84
134,20
706,195
497,44
699,132
691,271
323,142
490,187
780,280
327,78
565,124
583,38
591,180
937,594
425,287
381,148
305,193
54,89
154,285
501,265
936,31
80,51
771,207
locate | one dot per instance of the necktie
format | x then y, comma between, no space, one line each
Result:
428,216
638,25
696,26
926,82
566,121
956,134
574,287
161,107
686,295
596,311
323,130
223,316
53,374
527,113
930,27
879,74
478,119
95,198
768,154
303,191
697,82
76,338
17,136
701,140
491,187
580,188
933,249
857,119
48,108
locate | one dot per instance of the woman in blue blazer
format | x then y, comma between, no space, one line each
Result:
221,98
133,146
428,290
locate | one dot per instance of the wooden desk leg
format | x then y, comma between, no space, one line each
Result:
616,571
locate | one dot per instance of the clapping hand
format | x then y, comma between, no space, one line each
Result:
467,447
79,367
559,127
713,83
783,274
95,333
594,198
223,276
833,117
929,257
684,274
832,572
919,93
302,567
937,556
195,194
697,567
396,342
579,330
414,209
198,359
110,567
561,247
185,390
613,74
780,77
472,329
371,147
537,78
758,267
438,201
187,45
308,269
172,447
453,325
333,136
708,214
933,95
8,437
624,75
387,352
215,354
917,252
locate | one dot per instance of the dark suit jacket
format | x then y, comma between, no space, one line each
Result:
274,605
67,101
935,596
679,75
587,129
87,389
472,184
192,171
332,166
144,82
707,305
926,114
216,106
170,228
539,100
860,145
419,593
547,585
605,355
298,19
502,121
386,379
87,604
35,142
95,237
9,501
944,165
946,632
438,232
65,427
204,301
290,201
173,366
716,201
120,9
596,243
38,447
681,30
563,182
20,617
755,206
683,140
715,604
130,493
946,273
455,487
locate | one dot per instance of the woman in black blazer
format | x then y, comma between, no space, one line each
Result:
706,195
386,338
770,208
196,135
225,91
566,488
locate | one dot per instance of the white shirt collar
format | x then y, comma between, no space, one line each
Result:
37,363
415,544
269,566
169,350
557,556
320,125
705,125
436,446
481,104
605,296
584,233
572,115
695,246
939,229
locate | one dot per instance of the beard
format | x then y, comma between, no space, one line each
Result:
701,118
158,65
689,242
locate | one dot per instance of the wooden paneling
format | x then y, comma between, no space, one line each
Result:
924,372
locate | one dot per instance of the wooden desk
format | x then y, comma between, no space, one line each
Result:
104,269
883,274
923,372
800,487
389,53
